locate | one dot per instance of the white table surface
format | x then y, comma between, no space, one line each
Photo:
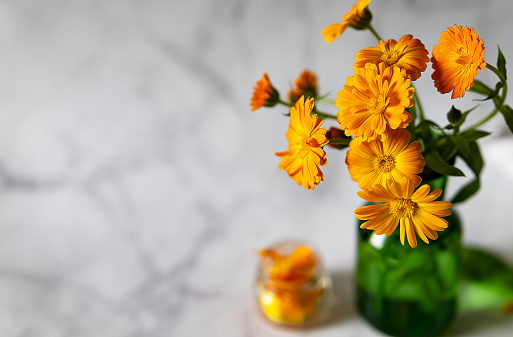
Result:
137,186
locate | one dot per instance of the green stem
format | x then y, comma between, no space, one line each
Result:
419,104
497,72
340,141
285,103
320,114
497,101
323,115
326,100
373,31
484,120
500,102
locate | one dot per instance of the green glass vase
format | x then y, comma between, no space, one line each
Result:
406,291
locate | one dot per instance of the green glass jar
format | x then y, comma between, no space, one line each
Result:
406,291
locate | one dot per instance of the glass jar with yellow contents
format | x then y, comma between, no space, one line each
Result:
292,287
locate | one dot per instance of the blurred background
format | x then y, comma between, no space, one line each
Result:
137,186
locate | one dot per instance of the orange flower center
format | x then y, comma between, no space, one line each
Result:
390,57
465,58
385,163
402,207
313,142
307,144
377,106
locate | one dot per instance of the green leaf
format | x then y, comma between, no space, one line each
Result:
507,112
480,88
487,268
472,135
493,93
467,191
461,144
475,162
480,265
487,282
438,164
501,63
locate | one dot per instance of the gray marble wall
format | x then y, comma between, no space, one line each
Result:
136,185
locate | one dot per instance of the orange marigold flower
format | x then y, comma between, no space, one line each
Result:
298,267
264,94
373,99
416,212
306,139
456,60
357,17
407,53
376,162
305,85
289,295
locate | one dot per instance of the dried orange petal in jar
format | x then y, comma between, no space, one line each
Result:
292,286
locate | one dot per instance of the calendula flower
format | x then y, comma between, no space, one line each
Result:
376,162
264,94
456,60
305,85
306,139
373,99
358,17
294,270
416,212
407,53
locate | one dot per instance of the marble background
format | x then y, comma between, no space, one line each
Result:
136,185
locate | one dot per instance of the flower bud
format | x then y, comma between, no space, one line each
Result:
305,85
337,138
454,116
362,20
264,94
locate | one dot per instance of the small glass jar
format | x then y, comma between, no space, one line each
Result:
292,287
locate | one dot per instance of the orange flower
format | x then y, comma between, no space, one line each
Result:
306,139
289,294
357,17
456,60
295,269
408,54
264,94
373,99
414,211
376,162
305,85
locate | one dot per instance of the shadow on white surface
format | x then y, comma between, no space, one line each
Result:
481,323
343,306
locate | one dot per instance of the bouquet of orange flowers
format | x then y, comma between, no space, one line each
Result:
393,146
401,161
